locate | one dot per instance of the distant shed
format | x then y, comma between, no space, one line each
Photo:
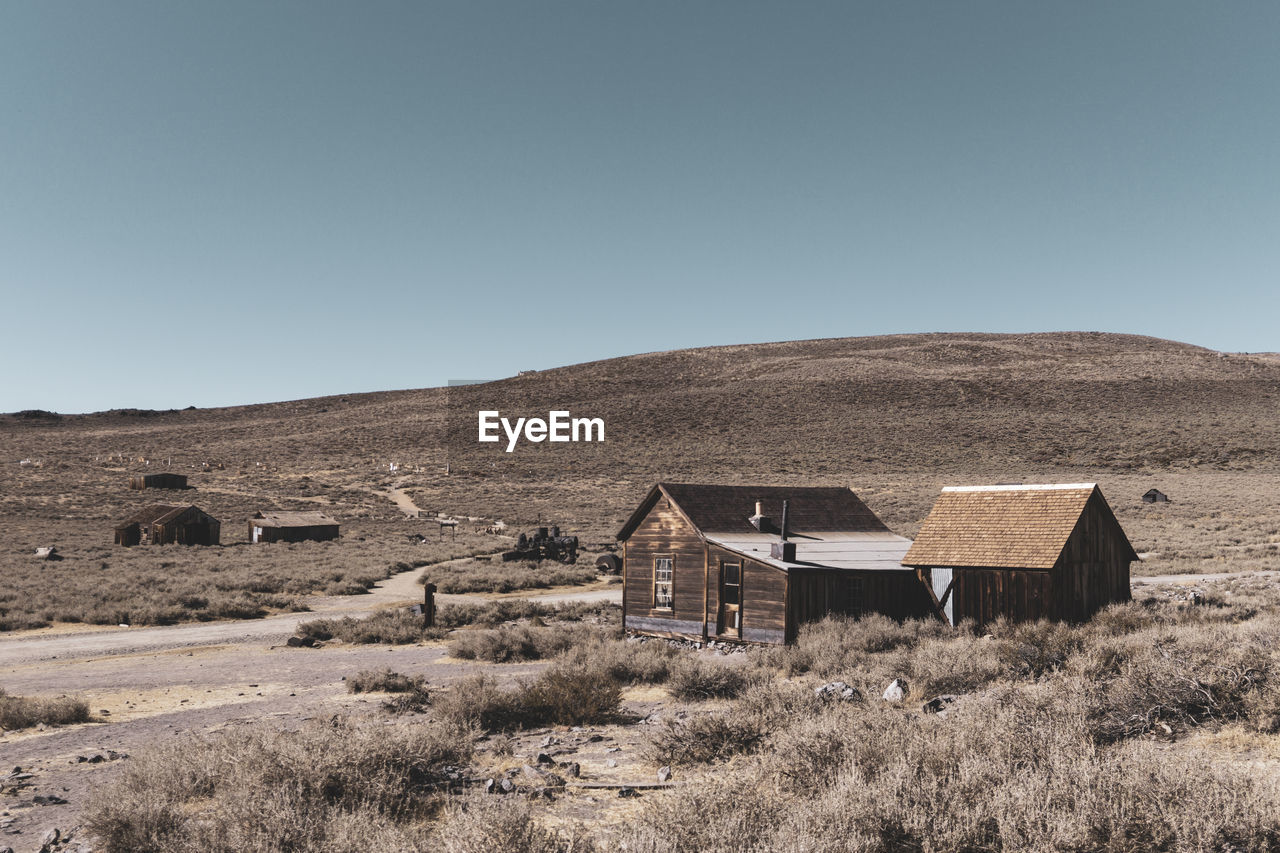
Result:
1022,552
292,527
1155,496
158,481
161,524
711,562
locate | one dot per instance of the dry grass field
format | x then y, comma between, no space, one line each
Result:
1154,727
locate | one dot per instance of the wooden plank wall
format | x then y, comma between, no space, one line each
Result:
817,593
1093,570
664,531
983,595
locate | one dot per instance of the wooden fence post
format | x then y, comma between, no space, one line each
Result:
429,606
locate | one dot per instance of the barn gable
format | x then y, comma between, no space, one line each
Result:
1022,552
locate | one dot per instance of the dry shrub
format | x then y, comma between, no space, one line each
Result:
394,626
518,643
494,613
566,694
705,738
385,680
23,712
328,786
838,644
1137,683
488,824
625,661
1015,770
498,577
696,679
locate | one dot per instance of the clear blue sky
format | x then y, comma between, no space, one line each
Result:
232,202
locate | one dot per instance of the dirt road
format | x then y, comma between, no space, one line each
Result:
144,684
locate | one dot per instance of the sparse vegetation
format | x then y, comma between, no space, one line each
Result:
495,576
338,786
385,681
23,712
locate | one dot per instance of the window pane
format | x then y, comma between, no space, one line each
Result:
732,573
731,593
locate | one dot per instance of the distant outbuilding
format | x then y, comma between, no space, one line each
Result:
158,481
161,524
1022,552
1155,496
292,527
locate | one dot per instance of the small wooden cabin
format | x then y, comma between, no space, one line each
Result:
292,527
707,562
160,524
1022,552
1155,496
158,481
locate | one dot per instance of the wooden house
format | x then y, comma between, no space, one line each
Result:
1022,552
160,524
753,563
292,527
1155,496
158,481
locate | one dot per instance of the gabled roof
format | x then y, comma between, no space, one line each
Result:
155,514
293,519
1016,527
726,509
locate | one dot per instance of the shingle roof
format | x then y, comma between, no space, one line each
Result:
725,509
152,514
292,519
1000,526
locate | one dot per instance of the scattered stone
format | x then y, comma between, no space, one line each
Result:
543,758
664,773
573,768
548,740
304,642
49,800
595,738
506,786
611,763
837,690
614,749
49,839
938,704
491,786
896,691
627,793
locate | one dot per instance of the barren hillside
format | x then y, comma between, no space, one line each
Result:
896,417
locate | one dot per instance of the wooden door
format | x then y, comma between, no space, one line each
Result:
730,622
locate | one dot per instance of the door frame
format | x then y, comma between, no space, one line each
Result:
725,611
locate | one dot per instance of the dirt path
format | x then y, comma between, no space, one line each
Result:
145,684
1187,580
401,499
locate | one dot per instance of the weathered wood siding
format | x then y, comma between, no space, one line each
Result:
664,531
1093,570
312,533
983,595
816,593
764,597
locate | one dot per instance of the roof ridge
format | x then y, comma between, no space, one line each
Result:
1022,487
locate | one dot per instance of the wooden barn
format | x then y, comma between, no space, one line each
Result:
1022,552
292,527
160,524
753,563
1155,496
158,481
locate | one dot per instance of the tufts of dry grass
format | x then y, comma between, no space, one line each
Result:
338,786
23,712
495,576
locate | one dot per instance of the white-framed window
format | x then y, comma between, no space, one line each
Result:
663,582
